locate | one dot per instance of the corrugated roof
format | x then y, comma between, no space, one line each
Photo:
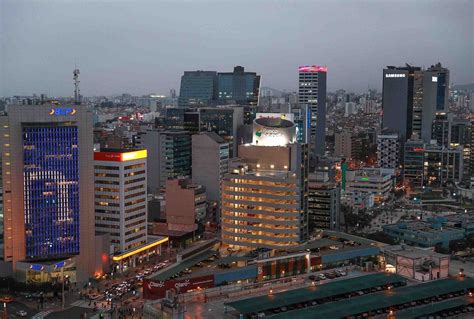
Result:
375,301
263,303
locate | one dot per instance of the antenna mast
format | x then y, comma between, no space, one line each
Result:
77,91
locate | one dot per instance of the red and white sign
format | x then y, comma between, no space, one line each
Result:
156,289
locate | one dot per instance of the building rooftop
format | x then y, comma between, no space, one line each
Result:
286,298
412,252
372,302
422,227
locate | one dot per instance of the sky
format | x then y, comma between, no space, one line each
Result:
143,47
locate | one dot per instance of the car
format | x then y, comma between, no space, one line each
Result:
21,313
341,273
321,276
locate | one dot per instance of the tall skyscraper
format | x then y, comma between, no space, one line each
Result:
442,87
264,197
409,101
120,197
169,156
238,87
312,92
48,190
198,88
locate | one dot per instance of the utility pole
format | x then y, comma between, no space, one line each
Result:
62,287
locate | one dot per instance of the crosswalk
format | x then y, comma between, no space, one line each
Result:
42,314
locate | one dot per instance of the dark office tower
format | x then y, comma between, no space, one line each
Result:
442,86
409,99
471,154
312,92
238,87
198,88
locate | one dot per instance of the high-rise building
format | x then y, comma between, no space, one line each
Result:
471,148
442,86
343,144
238,87
120,197
264,197
48,213
169,156
388,151
209,88
224,121
210,162
409,101
312,92
324,203
432,165
198,88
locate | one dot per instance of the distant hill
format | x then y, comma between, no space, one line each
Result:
464,87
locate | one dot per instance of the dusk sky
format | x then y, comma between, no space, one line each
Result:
142,47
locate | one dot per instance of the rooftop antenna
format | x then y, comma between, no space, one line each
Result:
77,91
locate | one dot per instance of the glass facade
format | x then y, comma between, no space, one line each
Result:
51,191
198,88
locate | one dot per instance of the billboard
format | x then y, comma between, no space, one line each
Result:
156,289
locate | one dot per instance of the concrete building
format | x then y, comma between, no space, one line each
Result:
48,214
210,162
415,263
371,181
185,205
312,92
264,197
224,121
343,144
169,157
324,203
431,164
409,101
388,151
424,234
121,206
120,197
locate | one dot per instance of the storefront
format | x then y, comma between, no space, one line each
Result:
136,256
46,272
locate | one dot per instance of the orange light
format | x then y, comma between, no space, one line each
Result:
134,252
120,157
133,155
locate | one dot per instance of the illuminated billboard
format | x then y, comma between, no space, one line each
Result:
313,68
273,131
119,156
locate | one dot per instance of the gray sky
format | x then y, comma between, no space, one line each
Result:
142,47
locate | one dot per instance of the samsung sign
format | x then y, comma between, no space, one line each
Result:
62,111
395,75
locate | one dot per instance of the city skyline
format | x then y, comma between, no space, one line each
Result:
148,49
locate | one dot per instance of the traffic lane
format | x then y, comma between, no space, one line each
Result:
73,312
15,306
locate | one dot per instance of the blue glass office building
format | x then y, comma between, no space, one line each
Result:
51,190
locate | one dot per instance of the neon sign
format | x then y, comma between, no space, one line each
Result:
63,111
395,75
313,68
